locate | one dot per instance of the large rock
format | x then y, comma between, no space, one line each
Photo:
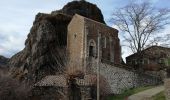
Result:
83,8
45,48
44,51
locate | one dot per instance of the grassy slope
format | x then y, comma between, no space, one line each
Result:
159,96
128,93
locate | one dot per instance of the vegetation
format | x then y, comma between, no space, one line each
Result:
12,89
140,24
159,96
129,92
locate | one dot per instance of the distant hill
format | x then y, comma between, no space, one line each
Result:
3,61
3,64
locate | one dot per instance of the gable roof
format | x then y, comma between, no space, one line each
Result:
88,19
61,81
54,80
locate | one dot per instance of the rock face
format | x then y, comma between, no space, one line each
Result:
45,48
83,8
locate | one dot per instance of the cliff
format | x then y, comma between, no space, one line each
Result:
45,47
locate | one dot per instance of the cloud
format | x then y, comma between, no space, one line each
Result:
16,19
17,16
155,1
11,43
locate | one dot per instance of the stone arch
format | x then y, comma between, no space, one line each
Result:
91,48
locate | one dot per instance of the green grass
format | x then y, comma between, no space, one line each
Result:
129,92
159,96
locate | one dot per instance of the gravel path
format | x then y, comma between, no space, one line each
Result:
147,94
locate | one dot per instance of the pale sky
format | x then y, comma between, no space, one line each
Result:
17,16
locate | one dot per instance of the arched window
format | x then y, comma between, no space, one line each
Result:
92,48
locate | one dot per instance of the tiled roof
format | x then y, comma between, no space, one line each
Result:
61,81
55,80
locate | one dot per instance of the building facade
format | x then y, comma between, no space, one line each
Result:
88,39
154,58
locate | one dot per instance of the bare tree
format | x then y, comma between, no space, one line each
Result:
140,23
12,89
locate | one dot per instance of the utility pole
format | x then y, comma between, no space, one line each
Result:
98,67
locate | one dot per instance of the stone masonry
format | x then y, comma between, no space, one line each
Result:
83,43
167,88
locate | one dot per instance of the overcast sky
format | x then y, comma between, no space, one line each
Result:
17,16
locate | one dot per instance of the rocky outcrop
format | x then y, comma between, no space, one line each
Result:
44,50
45,47
83,8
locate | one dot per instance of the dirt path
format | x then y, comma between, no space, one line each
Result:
147,94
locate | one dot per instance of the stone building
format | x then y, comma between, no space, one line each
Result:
61,87
154,58
88,42
86,38
52,87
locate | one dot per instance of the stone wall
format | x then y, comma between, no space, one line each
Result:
82,42
60,93
49,93
75,43
167,88
121,79
118,78
109,42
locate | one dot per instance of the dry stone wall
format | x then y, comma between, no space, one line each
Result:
167,88
121,79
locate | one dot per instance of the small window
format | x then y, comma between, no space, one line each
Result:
110,39
145,61
141,61
161,61
87,30
91,53
134,62
75,35
108,56
92,48
104,42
